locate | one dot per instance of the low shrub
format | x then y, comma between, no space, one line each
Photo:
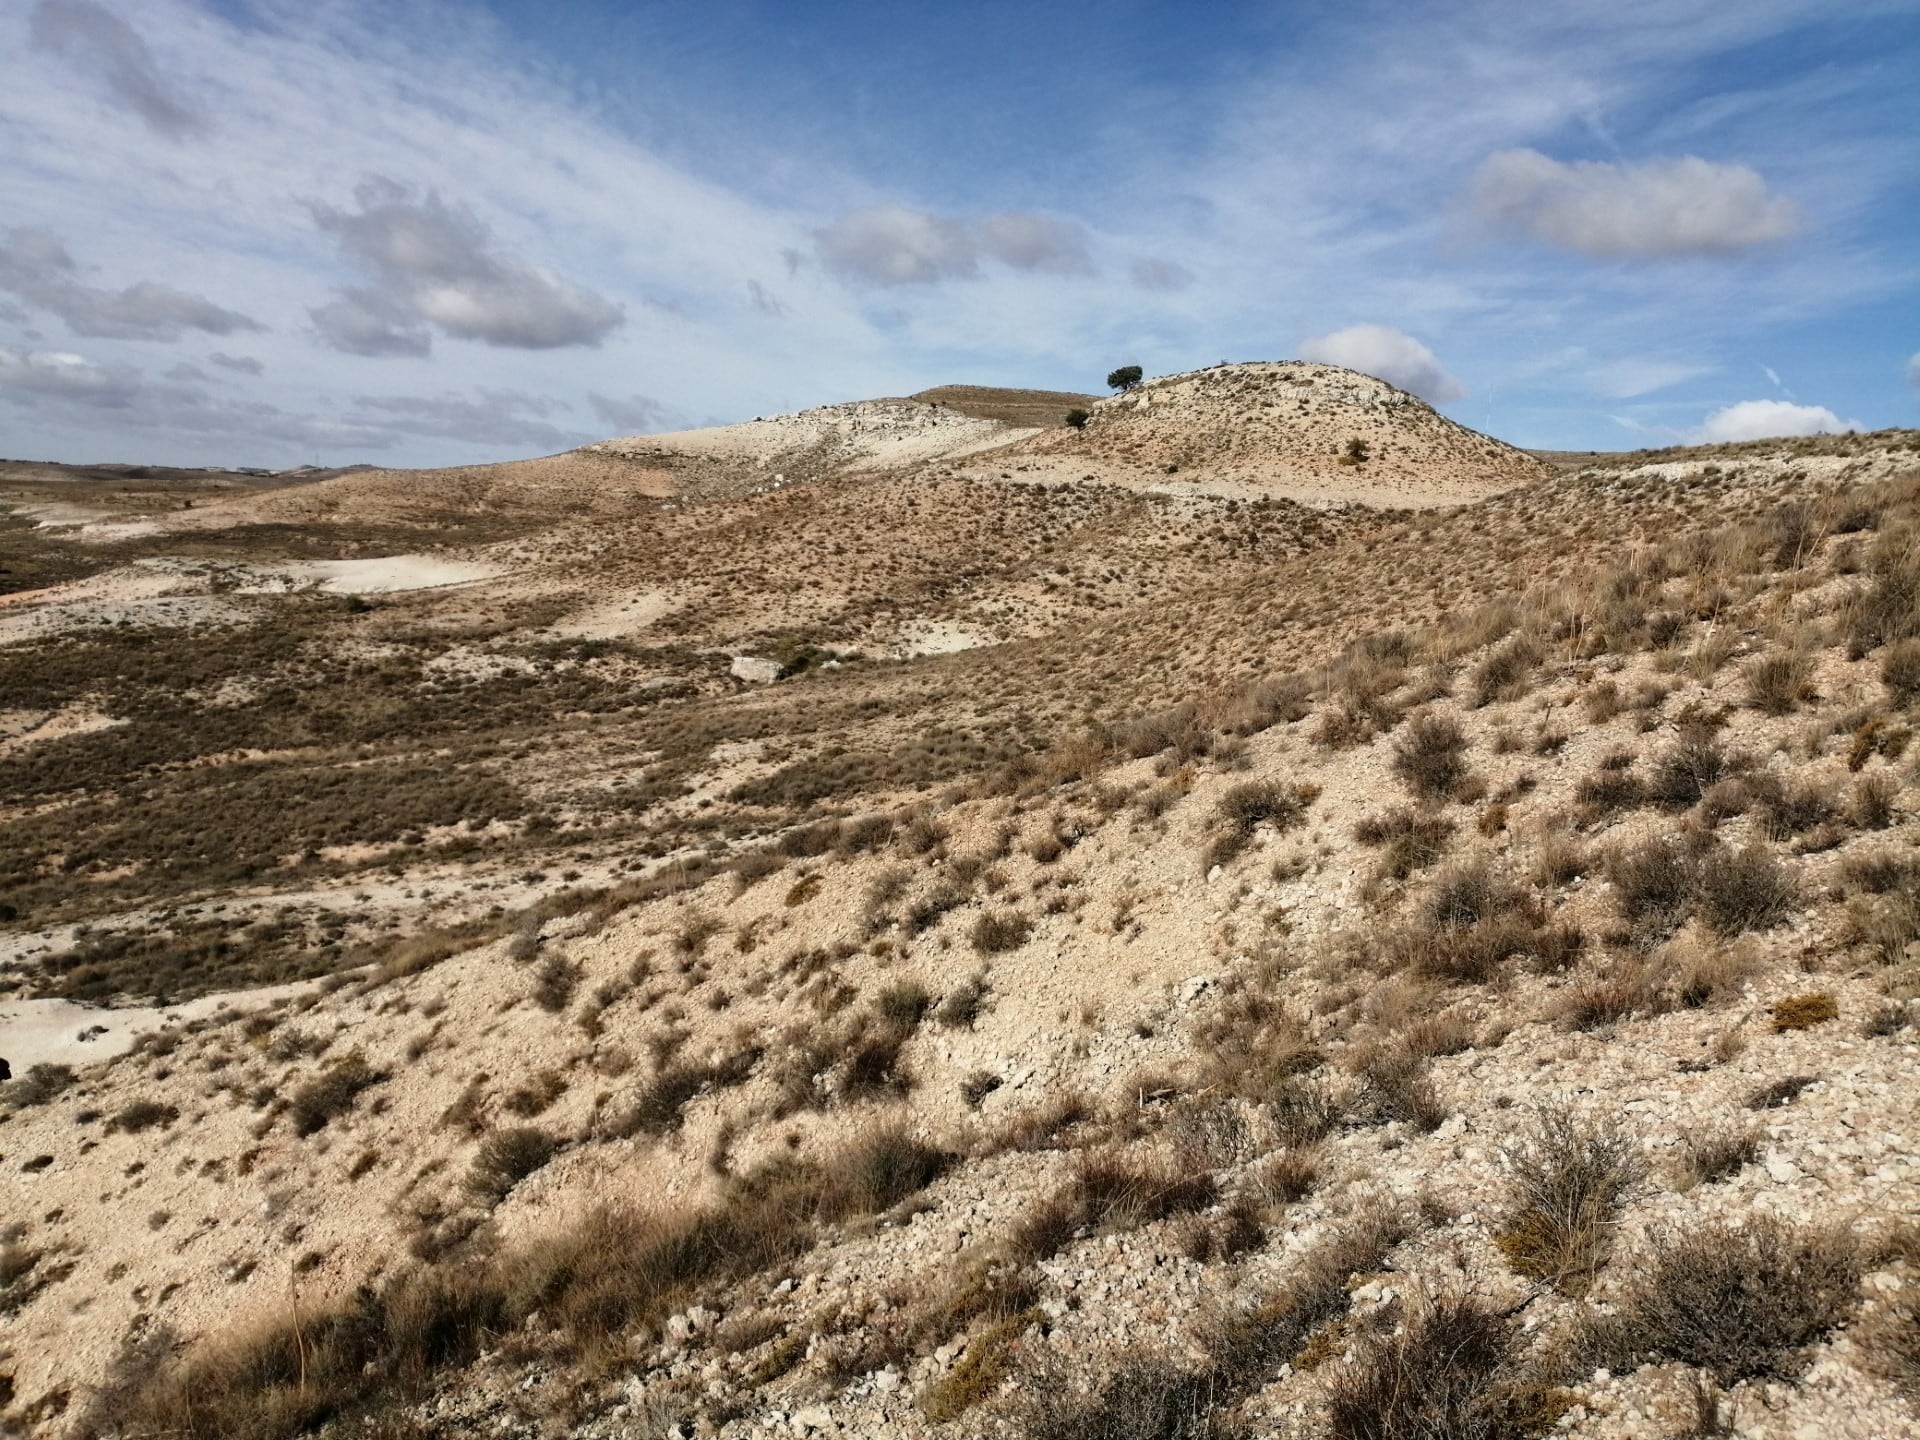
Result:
1000,930
1251,804
331,1093
144,1115
506,1157
1741,1303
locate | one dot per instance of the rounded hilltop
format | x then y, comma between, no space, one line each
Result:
1287,428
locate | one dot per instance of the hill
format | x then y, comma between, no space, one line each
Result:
1207,958
1022,409
1284,429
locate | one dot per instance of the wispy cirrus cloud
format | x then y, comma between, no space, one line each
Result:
106,49
760,261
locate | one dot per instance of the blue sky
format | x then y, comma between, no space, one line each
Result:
269,232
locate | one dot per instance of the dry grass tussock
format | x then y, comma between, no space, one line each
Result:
593,1278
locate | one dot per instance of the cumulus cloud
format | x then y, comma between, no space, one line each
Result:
1390,354
435,265
1156,274
634,415
494,417
35,266
891,245
1765,419
96,41
1671,206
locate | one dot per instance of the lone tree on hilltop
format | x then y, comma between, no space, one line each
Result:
1124,379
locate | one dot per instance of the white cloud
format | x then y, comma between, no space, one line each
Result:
1314,188
891,245
1766,419
1913,370
436,264
1672,206
1389,354
35,266
98,42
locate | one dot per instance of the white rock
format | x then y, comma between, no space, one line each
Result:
754,669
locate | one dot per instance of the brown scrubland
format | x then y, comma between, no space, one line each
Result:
1204,937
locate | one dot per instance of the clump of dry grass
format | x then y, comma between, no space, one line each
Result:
1452,1369
1109,1190
1410,839
1711,1157
1803,1012
1568,1181
1430,758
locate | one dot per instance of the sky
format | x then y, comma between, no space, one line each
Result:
283,232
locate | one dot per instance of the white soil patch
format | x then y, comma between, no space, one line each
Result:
616,618
382,575
940,637
171,611
64,1032
21,728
